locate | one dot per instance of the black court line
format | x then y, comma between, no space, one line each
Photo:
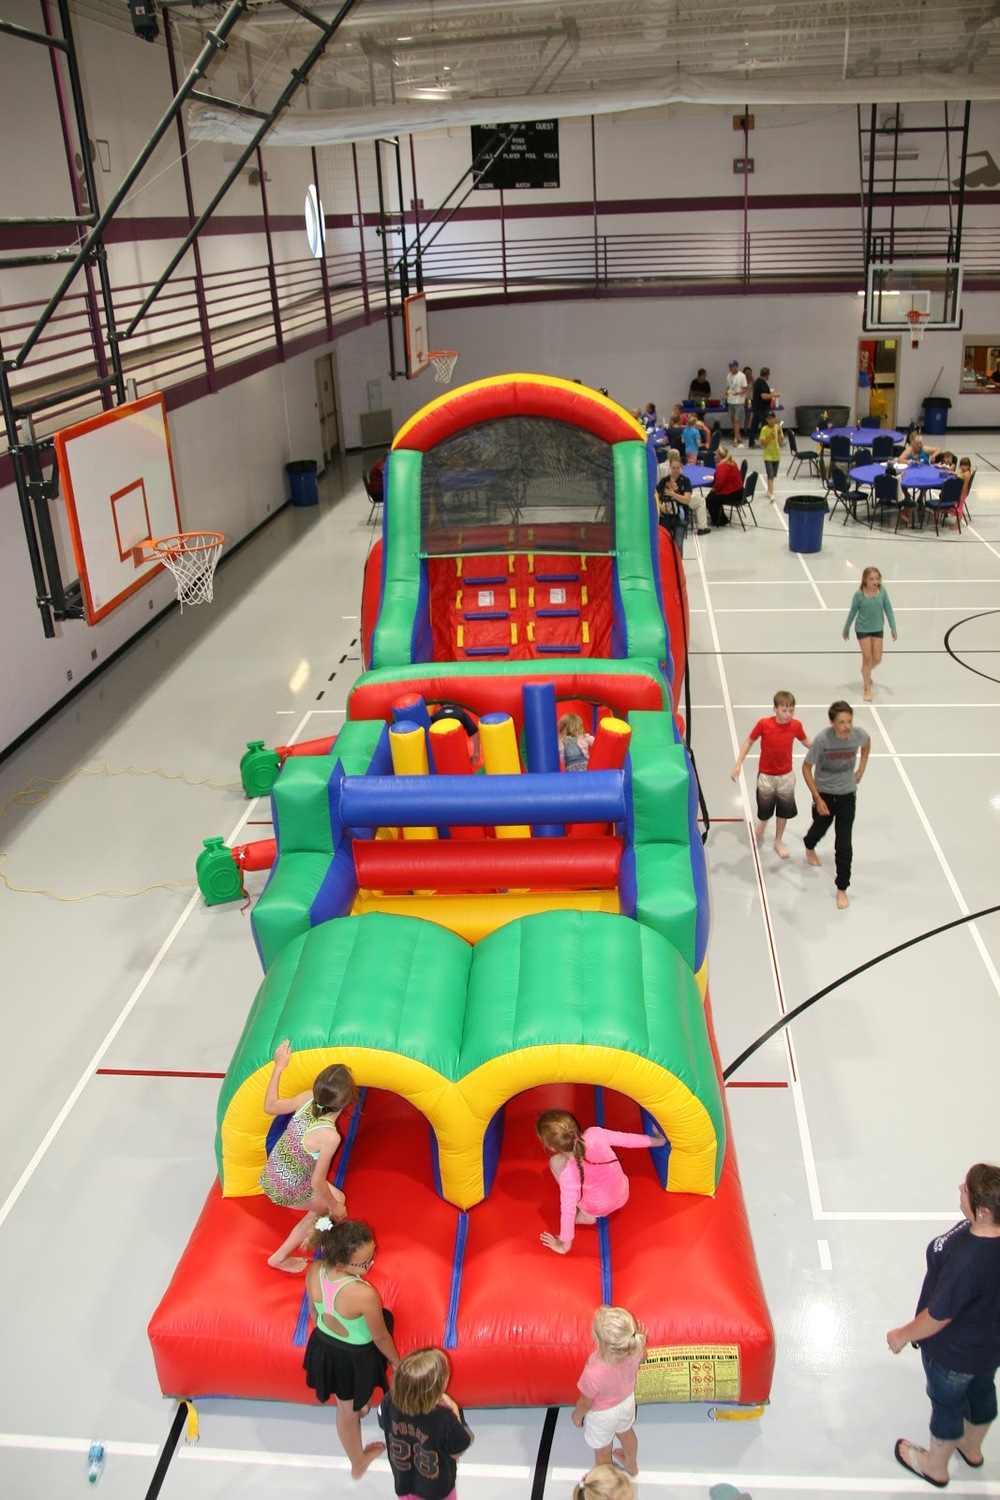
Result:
988,462
167,1451
785,1020
543,1454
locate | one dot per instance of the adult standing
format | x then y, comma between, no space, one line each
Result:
700,388
762,402
736,393
833,773
957,1330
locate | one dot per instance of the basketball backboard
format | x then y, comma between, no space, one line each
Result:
417,344
897,288
117,479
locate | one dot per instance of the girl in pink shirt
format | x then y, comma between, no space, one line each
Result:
591,1181
605,1408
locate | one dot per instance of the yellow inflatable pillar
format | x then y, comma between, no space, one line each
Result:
501,758
408,744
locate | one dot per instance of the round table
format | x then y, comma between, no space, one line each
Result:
700,477
917,477
859,437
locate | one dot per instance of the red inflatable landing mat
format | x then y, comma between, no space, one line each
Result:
514,1316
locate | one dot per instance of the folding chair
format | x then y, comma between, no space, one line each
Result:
948,502
376,500
882,448
840,487
744,497
885,497
797,458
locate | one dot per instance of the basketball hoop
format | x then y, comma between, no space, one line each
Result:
918,322
191,556
444,361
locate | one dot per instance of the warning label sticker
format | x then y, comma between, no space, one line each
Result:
690,1372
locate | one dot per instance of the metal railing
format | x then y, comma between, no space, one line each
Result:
204,329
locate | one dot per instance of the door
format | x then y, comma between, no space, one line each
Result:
326,406
878,359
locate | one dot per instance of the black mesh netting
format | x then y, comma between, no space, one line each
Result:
519,483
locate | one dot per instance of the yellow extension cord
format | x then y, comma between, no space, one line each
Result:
38,788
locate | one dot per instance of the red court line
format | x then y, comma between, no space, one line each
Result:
154,1073
763,1084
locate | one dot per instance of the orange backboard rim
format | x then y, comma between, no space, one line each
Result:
80,429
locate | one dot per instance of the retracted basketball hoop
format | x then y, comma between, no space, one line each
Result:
918,322
191,557
444,361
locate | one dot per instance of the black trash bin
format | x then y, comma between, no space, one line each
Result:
302,478
806,514
936,409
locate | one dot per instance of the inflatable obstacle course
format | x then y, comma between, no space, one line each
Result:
480,935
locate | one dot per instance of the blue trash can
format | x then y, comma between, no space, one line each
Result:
806,514
302,478
936,409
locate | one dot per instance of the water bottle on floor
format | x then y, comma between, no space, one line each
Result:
95,1461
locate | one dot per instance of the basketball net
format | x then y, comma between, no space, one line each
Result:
918,322
444,361
191,557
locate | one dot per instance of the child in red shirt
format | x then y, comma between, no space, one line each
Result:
775,777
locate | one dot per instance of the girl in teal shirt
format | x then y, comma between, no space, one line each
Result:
870,607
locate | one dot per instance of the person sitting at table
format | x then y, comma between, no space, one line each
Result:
699,389
678,416
914,455
676,495
946,460
726,486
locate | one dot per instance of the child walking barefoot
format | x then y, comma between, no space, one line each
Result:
604,1483
605,1408
834,788
295,1175
591,1181
351,1345
425,1428
775,777
868,606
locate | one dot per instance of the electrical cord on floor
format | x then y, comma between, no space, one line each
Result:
38,789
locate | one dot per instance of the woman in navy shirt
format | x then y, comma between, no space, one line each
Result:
957,1329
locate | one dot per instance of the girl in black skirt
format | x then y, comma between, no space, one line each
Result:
351,1344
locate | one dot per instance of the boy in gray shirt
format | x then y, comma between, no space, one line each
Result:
832,773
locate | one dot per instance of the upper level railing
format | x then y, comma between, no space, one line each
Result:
205,332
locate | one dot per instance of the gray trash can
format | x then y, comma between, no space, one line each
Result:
806,514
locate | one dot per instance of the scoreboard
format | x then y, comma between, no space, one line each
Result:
529,160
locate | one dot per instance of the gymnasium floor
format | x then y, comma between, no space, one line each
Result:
852,1134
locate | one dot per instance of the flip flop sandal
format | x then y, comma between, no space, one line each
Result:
969,1461
904,1445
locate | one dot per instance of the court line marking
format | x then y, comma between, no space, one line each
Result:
654,1478
95,1062
939,853
758,1484
802,609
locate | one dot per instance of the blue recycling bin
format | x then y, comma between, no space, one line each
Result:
806,514
936,409
302,478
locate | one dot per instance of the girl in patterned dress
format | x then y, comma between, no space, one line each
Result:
299,1163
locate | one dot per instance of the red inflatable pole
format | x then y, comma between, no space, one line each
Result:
259,855
607,753
449,745
488,864
306,747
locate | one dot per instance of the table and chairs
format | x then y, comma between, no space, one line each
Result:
917,483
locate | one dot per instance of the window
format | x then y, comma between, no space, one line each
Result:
980,365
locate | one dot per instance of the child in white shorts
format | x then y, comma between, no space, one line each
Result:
605,1408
